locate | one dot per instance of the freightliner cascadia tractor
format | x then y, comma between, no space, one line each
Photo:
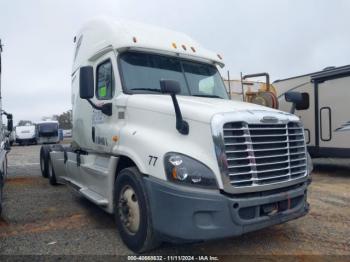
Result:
158,143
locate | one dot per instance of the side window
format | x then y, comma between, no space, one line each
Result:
104,81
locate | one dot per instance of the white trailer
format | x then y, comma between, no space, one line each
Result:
4,140
158,143
324,109
26,135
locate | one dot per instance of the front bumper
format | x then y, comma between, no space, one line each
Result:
189,214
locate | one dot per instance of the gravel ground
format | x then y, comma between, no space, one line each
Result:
39,219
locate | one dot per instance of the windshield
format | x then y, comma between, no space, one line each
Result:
142,73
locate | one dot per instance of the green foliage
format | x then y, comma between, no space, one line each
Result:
64,119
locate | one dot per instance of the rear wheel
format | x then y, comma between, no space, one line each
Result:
44,161
51,174
132,212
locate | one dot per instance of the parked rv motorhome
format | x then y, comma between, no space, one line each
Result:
26,135
47,132
4,140
158,143
324,109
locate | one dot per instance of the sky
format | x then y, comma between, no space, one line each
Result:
282,37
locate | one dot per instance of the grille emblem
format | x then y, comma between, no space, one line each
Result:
269,119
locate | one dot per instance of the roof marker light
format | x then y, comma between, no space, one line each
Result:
134,39
184,47
219,56
174,45
192,48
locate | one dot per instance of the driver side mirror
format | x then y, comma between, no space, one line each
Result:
86,82
9,122
172,88
87,91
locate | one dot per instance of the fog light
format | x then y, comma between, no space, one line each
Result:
196,178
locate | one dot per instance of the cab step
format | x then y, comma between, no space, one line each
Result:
94,197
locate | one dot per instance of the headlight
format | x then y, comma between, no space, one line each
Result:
188,171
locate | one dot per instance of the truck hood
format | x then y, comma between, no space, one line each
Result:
194,108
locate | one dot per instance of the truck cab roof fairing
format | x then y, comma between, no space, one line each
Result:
105,33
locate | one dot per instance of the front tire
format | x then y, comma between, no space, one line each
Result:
132,212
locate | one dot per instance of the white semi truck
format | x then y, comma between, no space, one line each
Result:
4,141
158,143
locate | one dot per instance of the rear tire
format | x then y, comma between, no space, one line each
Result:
51,174
132,212
44,161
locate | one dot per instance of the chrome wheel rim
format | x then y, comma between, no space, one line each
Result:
129,210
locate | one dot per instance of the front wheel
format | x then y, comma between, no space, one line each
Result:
132,212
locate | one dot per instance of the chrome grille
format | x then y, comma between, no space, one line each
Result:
261,154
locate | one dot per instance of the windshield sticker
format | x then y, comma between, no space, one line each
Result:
102,91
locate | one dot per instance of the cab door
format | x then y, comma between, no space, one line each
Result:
102,128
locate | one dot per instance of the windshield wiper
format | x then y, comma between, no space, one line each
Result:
147,89
213,96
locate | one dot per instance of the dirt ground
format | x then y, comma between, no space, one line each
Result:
39,219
